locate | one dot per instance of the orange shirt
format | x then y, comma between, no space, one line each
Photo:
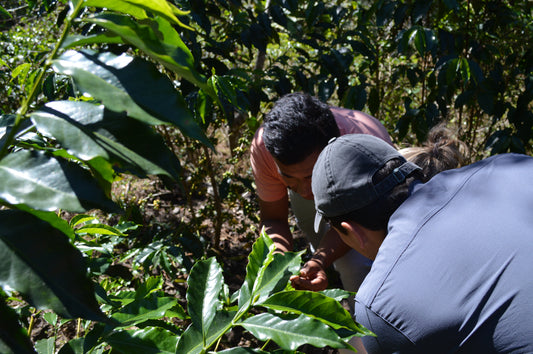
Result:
269,184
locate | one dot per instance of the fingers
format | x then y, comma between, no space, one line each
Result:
317,283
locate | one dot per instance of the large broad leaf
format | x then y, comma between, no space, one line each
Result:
39,262
79,40
13,338
42,182
316,305
138,8
258,260
277,274
191,340
205,283
152,307
143,341
51,218
88,131
6,123
290,334
132,85
158,39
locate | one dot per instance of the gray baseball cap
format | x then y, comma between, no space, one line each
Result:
342,175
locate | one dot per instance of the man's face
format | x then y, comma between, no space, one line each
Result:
298,176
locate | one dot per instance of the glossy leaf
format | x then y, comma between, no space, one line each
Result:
51,218
140,310
158,39
315,305
13,338
41,182
260,257
241,350
338,294
79,41
143,341
46,346
277,274
120,6
6,123
205,283
138,8
191,340
90,131
132,85
290,334
39,262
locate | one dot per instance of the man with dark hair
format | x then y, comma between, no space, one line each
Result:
283,153
452,257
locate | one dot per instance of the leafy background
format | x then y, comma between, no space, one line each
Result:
128,218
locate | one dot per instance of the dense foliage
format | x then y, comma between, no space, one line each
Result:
95,90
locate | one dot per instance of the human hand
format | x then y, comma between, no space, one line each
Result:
312,277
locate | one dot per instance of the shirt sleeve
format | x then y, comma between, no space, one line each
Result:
388,338
269,185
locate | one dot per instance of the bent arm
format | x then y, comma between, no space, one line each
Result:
275,219
313,273
331,248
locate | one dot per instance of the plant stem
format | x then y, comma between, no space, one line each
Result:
78,328
32,321
266,343
21,115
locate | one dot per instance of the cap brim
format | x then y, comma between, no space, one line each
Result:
318,221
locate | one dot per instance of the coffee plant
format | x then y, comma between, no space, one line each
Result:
94,90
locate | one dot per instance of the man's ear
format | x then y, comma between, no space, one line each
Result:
356,233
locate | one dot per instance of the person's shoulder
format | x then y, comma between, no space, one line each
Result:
345,113
357,122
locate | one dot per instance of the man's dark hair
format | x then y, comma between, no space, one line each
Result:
376,216
298,125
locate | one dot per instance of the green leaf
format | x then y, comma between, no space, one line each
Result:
137,8
119,6
205,283
4,13
132,85
13,338
74,346
277,274
191,340
140,310
315,305
260,257
241,350
45,183
290,334
143,341
464,70
82,219
420,42
158,39
79,40
51,218
338,294
149,286
39,262
98,229
89,131
46,346
21,70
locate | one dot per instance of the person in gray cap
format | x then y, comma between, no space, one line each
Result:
452,257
